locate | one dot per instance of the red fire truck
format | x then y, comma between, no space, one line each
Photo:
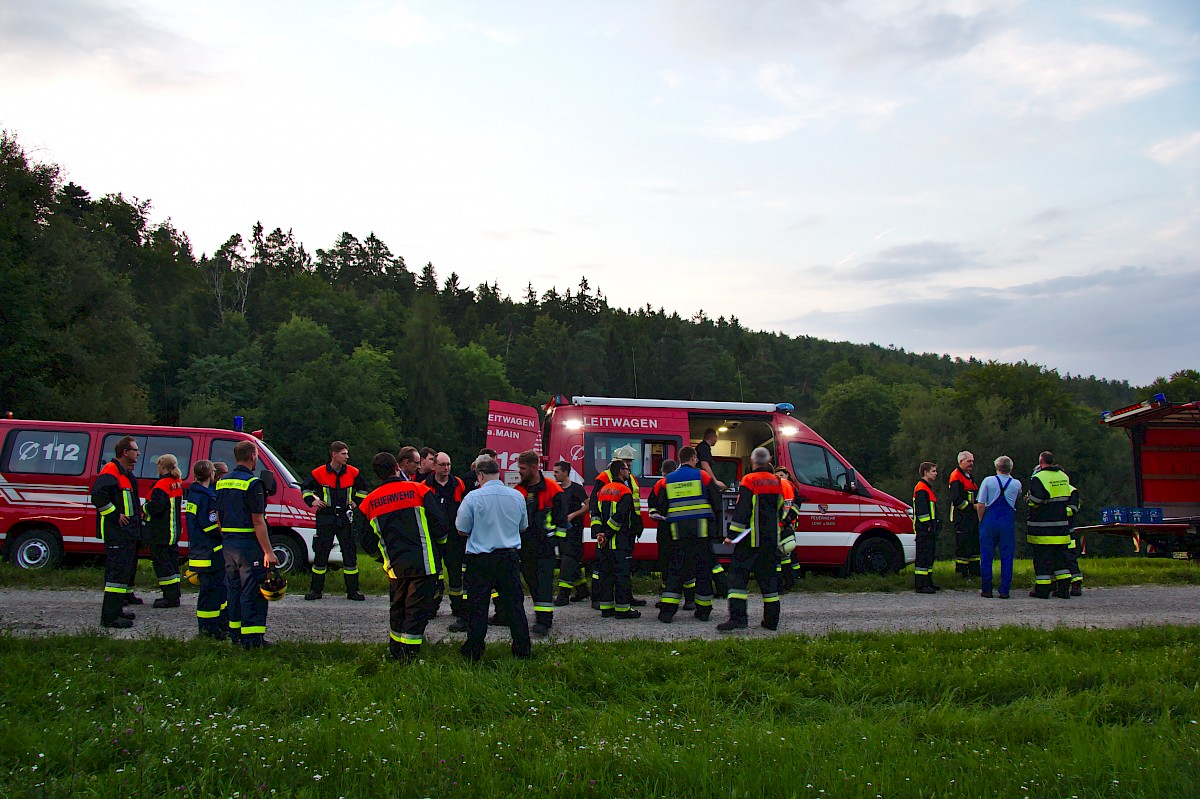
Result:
844,522
47,470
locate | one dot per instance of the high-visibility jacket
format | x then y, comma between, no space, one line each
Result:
604,478
204,533
115,493
240,495
963,491
1051,506
162,511
924,507
759,509
614,511
691,498
546,507
403,518
337,489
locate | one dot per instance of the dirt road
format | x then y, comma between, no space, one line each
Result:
52,612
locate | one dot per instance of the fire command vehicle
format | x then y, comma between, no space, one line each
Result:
47,470
844,522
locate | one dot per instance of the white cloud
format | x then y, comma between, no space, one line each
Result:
1121,19
670,78
395,25
757,130
1170,151
501,36
1106,323
1062,79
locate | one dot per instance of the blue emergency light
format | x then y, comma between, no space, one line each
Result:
785,407
238,421
1160,398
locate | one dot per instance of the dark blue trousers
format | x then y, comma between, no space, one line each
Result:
247,609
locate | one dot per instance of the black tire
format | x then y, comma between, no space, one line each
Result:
289,551
877,556
38,550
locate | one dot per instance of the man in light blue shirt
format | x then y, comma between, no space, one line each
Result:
996,505
492,518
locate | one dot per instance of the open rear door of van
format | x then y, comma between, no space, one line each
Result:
511,430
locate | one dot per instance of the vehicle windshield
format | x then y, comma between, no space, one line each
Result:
283,466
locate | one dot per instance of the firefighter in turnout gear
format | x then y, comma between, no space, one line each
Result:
1049,527
789,564
404,520
162,513
1075,548
334,490
612,511
546,508
689,503
119,526
570,549
626,455
246,545
204,551
449,491
925,525
963,490
754,533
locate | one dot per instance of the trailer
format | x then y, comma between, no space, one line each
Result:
1165,440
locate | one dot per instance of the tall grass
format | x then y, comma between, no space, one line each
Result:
991,713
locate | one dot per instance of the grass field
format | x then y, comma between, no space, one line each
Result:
1097,571
996,713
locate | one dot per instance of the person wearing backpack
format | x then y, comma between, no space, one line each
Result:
997,508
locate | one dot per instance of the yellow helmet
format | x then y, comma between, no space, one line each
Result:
193,577
273,585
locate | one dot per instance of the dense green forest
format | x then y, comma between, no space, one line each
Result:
109,316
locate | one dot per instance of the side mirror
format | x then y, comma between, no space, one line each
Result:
268,480
851,486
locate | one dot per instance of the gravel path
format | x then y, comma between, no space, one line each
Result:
54,612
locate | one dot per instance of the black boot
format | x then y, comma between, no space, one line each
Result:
733,624
582,592
318,586
563,599
1062,588
923,585
771,615
352,591
110,611
170,597
1077,588
689,599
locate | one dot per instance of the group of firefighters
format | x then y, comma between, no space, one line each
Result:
984,519
413,524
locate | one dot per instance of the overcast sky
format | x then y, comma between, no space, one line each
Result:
1004,179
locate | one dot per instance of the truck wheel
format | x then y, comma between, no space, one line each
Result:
878,556
37,549
289,553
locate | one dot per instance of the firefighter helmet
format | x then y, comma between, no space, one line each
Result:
625,453
193,577
273,585
787,546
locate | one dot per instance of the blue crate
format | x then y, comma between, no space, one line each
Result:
1156,515
1138,516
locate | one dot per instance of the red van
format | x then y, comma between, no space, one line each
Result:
47,470
844,521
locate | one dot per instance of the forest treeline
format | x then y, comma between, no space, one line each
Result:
109,316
